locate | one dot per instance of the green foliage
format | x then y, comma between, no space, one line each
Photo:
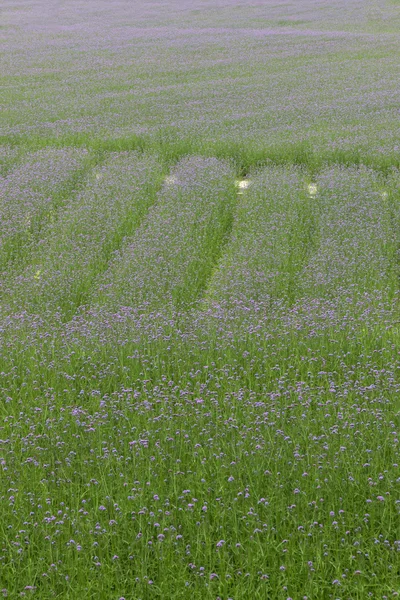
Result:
199,378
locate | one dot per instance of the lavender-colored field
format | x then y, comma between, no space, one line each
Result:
199,300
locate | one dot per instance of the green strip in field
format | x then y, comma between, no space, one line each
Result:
246,154
76,249
168,260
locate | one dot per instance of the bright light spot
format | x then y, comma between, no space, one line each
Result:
312,189
242,184
37,274
98,175
171,180
384,195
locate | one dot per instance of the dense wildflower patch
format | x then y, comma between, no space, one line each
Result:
199,301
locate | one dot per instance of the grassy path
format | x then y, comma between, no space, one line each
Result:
246,156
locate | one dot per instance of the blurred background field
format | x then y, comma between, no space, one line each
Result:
320,76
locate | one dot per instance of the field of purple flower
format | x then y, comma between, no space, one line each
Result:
199,300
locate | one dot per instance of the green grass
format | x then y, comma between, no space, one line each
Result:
171,148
